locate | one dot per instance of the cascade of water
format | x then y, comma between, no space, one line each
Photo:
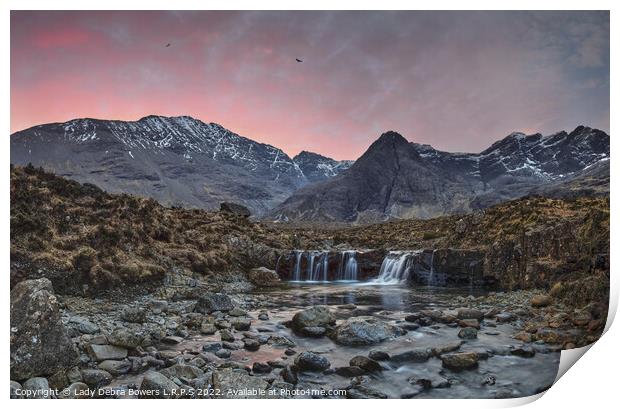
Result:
350,265
297,270
325,265
432,272
310,273
395,267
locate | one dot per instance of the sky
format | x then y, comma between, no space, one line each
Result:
456,80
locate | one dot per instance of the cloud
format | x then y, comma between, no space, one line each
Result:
456,80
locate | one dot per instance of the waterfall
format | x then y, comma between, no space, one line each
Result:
316,268
350,266
395,267
297,274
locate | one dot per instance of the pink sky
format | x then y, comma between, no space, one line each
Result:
455,80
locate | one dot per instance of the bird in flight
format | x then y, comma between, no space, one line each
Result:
168,45
298,60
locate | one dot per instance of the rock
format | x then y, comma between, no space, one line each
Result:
317,316
77,390
229,381
237,312
16,390
469,313
429,382
233,346
83,325
472,323
241,324
39,342
158,386
182,371
444,348
223,353
208,329
412,355
378,355
263,316
365,392
505,317
104,352
125,338
289,374
315,332
212,346
523,336
37,387
115,368
468,333
309,361
96,378
280,341
524,351
460,360
134,314
350,371
211,302
234,208
261,367
263,277
172,340
251,344
364,331
226,335
290,352
365,363
541,300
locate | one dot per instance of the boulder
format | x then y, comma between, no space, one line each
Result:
96,378
232,381
468,333
289,374
263,277
309,361
83,325
125,338
77,390
134,314
316,316
367,364
469,313
234,208
39,341
364,331
37,387
105,352
460,360
211,302
115,368
158,386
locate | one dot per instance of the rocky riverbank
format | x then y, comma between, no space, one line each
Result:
279,343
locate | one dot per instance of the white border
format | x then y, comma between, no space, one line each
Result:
591,382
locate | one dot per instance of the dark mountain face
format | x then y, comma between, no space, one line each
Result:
318,168
176,160
395,178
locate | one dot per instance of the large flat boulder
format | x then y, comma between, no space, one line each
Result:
40,345
364,331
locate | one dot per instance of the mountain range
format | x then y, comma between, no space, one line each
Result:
179,161
185,162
